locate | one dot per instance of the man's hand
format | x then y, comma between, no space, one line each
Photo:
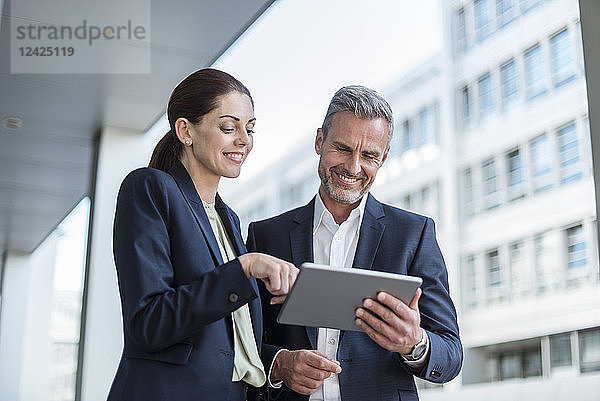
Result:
390,322
303,371
278,275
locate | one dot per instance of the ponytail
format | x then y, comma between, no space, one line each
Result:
166,152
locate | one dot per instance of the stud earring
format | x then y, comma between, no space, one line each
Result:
188,142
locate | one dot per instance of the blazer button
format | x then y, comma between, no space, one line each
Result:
435,374
233,297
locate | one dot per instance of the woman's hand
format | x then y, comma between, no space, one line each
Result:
278,275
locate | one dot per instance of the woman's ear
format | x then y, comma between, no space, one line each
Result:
183,129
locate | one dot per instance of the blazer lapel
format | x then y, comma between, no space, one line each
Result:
186,185
371,231
240,248
369,237
301,244
301,241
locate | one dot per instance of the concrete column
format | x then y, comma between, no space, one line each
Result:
25,343
121,150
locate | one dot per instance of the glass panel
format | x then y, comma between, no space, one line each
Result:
546,261
576,247
490,184
589,350
506,11
468,200
427,123
509,83
560,350
470,278
484,19
514,179
563,63
494,276
465,101
510,366
408,135
570,166
486,95
541,160
461,30
535,76
521,275
532,363
65,319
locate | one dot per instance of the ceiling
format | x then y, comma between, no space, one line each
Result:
46,166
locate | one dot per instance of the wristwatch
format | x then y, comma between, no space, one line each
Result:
419,350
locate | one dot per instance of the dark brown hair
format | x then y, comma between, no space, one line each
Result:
194,97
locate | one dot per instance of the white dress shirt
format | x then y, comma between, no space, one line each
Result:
333,245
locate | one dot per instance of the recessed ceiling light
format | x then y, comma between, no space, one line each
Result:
12,123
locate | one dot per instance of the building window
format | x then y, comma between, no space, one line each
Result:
427,124
494,274
589,350
575,247
461,31
570,165
514,173
528,5
563,63
483,19
506,11
519,270
535,78
470,280
509,83
490,184
468,193
429,195
510,366
465,102
532,362
541,160
544,263
486,95
408,135
560,350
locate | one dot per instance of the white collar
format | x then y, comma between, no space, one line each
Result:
322,213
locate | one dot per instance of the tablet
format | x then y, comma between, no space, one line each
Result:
326,296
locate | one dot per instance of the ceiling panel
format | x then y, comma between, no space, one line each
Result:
45,166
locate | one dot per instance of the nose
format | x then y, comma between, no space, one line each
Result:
242,138
352,164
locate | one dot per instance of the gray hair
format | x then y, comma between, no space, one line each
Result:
363,102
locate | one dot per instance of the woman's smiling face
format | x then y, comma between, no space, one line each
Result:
222,139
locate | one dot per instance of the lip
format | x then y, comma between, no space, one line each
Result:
339,178
236,157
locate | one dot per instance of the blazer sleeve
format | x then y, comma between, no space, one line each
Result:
158,313
438,315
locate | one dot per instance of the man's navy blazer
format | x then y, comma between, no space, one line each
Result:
391,240
177,296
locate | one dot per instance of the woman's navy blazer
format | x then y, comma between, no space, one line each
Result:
177,295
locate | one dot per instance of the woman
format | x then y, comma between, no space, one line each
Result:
191,314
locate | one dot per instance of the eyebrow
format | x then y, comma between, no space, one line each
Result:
236,118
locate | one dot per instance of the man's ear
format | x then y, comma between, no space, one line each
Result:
385,154
319,141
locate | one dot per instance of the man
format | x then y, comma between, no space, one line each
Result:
346,226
